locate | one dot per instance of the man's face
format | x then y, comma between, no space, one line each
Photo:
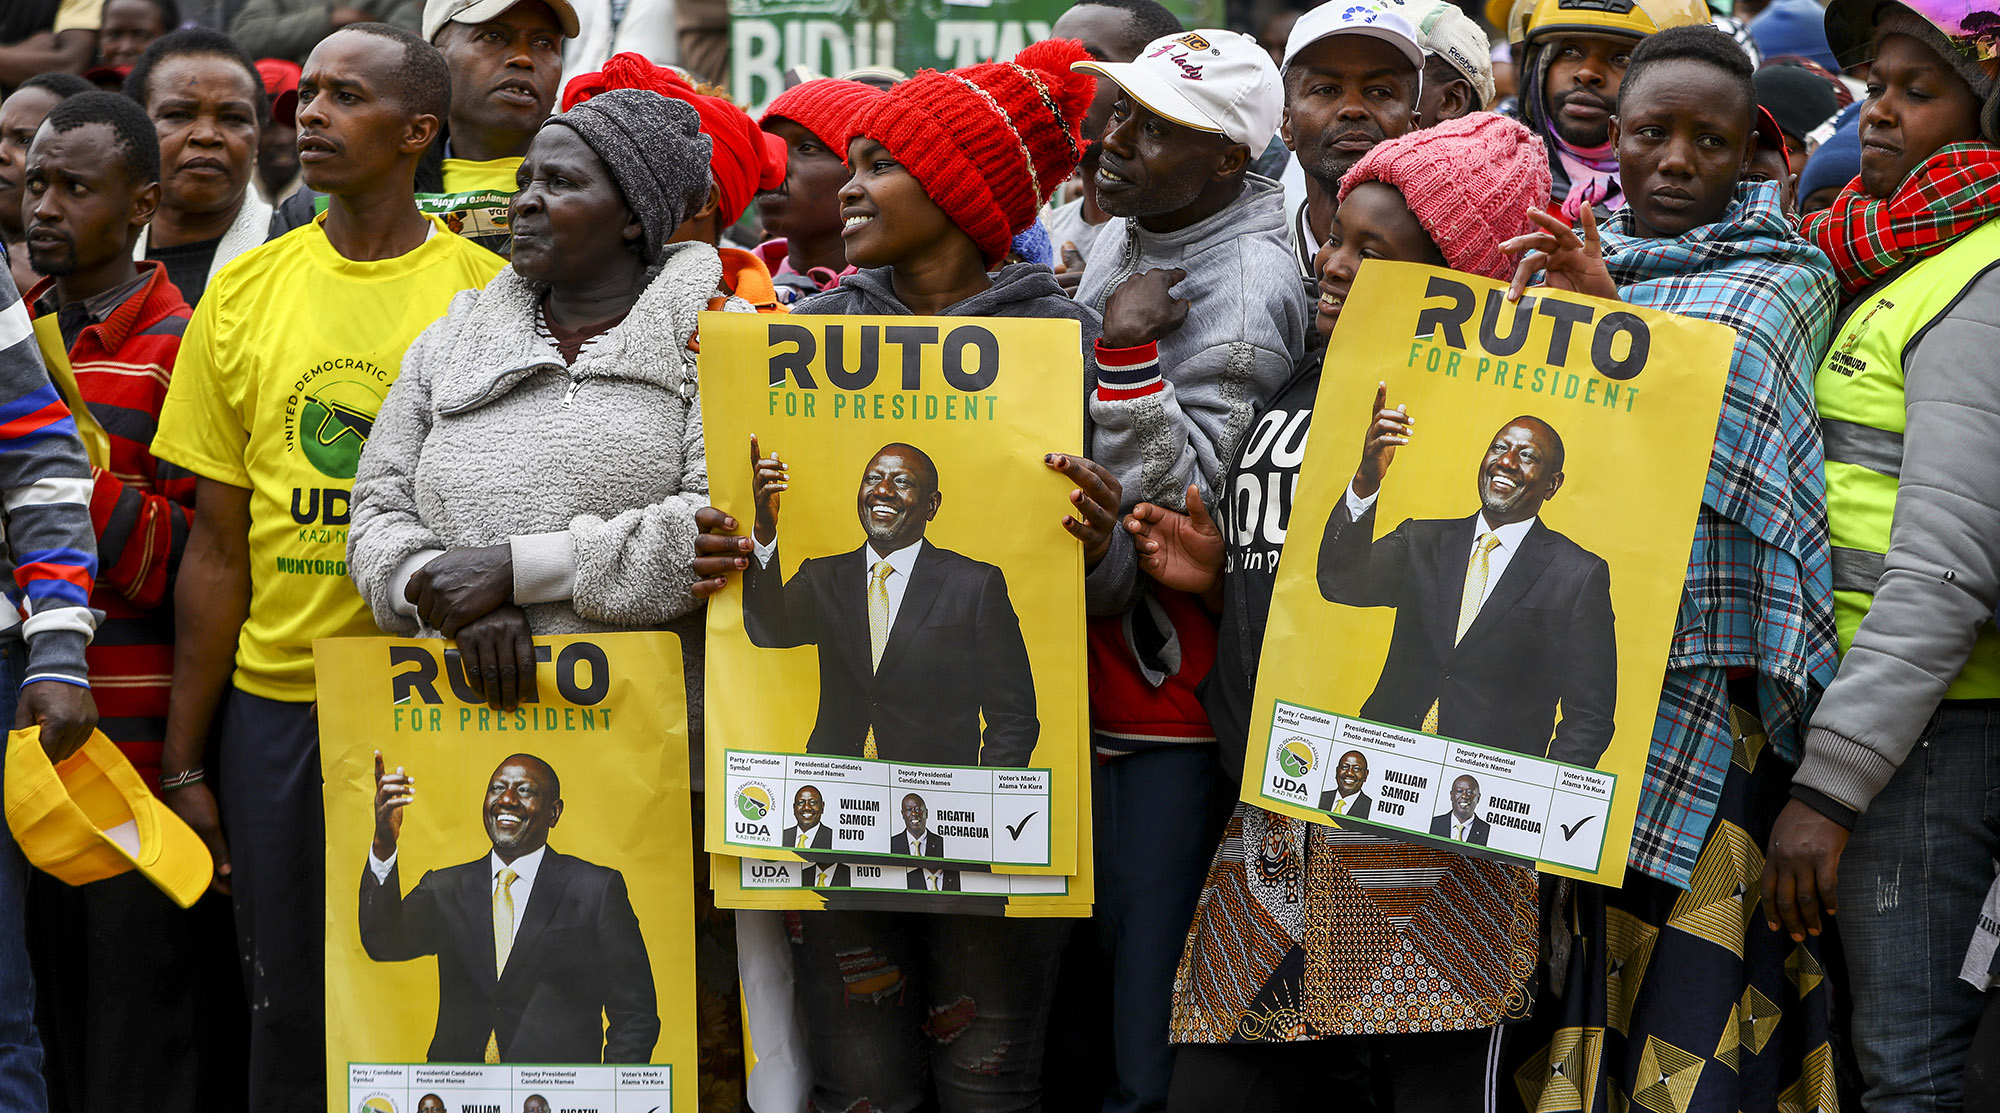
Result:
505,71
914,814
1581,90
1148,165
82,208
1684,136
807,806
1343,95
536,1103
128,28
807,206
898,498
1915,105
431,1103
1351,773
521,807
204,107
1521,471
1464,798
21,115
1107,34
352,130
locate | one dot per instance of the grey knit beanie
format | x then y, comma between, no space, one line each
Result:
1895,19
655,150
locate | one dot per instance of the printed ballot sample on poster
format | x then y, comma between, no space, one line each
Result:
509,894
1483,567
898,674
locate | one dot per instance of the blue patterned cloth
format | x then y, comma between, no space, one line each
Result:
1759,591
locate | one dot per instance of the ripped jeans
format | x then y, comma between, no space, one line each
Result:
1911,883
896,1003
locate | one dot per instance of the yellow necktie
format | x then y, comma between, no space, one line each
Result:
1476,571
805,840
1340,805
503,941
878,630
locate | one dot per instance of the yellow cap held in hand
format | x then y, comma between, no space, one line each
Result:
93,817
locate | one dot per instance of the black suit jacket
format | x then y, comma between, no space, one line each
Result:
899,843
946,884
1441,827
839,880
822,838
954,654
1542,640
577,962
1362,803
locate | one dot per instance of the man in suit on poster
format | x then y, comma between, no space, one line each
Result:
807,832
1462,822
917,644
916,837
1346,797
1500,620
540,958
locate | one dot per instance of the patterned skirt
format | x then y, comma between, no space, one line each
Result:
1306,930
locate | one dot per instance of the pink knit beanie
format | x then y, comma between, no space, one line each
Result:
1470,182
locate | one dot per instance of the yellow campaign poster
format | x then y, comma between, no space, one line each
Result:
509,895
1483,568
898,676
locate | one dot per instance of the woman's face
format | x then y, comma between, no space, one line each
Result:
887,218
569,219
1373,223
204,107
1916,104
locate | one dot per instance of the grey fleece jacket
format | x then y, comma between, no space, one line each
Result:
592,472
1237,349
1942,574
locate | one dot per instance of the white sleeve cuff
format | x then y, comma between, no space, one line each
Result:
79,620
544,567
762,552
1356,505
399,582
380,868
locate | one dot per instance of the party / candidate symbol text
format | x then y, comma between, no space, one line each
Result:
1619,342
970,356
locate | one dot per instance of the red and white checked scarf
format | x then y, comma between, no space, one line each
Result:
1955,191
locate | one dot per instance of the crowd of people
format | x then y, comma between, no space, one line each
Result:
325,321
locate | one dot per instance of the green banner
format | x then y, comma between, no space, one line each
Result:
833,37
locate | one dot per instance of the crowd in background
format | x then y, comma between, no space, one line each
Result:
469,222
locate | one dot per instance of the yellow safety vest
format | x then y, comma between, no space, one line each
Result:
1859,395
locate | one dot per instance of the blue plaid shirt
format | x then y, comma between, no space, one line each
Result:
1759,592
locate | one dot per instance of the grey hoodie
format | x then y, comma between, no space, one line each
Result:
1237,349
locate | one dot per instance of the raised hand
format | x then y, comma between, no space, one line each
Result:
1387,430
768,479
1572,263
393,792
1180,551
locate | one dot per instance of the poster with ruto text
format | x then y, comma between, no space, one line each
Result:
509,894
897,677
1483,568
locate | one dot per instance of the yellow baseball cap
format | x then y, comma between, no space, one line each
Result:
92,817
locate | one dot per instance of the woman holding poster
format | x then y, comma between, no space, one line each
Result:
1307,901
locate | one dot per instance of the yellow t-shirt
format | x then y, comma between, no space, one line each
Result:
79,15
465,176
276,387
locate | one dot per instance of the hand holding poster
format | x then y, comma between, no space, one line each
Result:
898,674
1485,562
523,920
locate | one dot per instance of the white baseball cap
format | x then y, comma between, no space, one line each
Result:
437,13
1215,81
1444,30
1337,18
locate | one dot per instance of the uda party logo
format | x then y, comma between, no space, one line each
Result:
331,412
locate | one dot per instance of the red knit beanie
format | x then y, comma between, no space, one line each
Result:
744,159
825,106
1470,182
989,143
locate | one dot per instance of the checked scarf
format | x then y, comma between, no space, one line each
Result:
1759,586
1954,191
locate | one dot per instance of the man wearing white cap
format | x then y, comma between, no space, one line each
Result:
1192,111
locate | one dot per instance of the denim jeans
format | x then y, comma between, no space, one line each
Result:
898,1003
1911,883
21,1088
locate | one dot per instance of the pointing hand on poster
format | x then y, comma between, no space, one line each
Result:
1143,309
1387,429
717,551
1180,551
1096,498
1572,264
768,478
393,791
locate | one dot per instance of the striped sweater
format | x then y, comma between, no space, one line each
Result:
50,551
140,507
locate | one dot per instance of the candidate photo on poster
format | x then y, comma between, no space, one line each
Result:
1462,822
540,956
1346,797
921,656
806,831
1502,624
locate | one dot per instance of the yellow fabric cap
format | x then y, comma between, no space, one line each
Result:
92,817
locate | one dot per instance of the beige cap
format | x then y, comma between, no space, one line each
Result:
1443,29
437,13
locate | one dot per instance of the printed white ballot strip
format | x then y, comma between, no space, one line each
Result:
474,1088
896,876
1524,806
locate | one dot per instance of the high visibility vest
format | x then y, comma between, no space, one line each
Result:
1859,395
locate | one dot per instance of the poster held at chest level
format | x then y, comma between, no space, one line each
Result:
898,675
509,895
1479,585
